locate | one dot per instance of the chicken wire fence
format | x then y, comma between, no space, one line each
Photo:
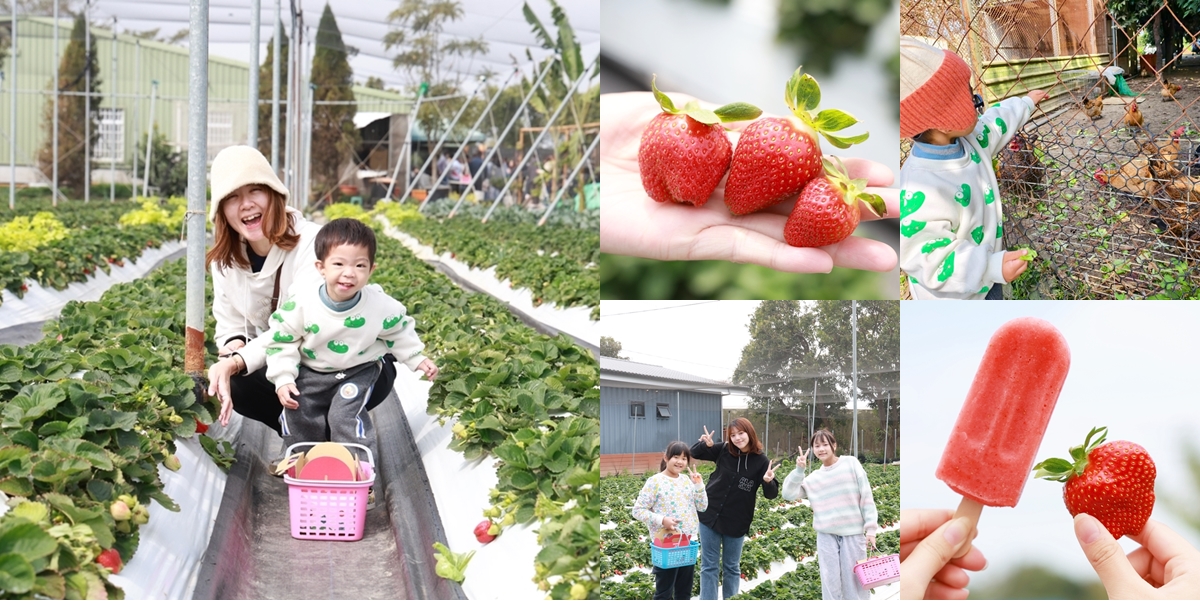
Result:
1104,180
782,427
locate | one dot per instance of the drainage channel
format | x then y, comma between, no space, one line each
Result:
251,554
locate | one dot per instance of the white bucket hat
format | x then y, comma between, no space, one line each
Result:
237,166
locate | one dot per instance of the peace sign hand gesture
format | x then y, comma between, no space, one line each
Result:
770,475
707,437
803,455
694,475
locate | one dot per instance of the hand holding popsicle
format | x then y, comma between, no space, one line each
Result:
928,538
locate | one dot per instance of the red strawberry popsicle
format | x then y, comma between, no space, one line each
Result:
1000,427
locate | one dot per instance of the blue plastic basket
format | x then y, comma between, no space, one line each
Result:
674,557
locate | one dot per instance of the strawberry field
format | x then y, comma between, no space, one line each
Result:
55,246
778,556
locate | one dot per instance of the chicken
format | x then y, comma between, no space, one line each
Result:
1019,166
1133,117
1169,89
1166,155
1132,178
1093,107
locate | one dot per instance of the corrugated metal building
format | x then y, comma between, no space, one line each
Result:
645,407
124,97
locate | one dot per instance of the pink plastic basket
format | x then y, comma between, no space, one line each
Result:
878,571
329,510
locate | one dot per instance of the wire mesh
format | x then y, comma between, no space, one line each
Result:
1104,180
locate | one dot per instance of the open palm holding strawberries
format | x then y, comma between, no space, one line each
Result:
632,223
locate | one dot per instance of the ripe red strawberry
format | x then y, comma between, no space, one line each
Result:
776,156
1112,482
827,210
684,152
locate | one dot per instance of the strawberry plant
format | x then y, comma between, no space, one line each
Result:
527,399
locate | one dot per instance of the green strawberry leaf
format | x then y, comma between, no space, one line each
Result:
1029,255
834,120
738,111
703,115
1053,469
663,100
1061,470
803,93
874,202
847,142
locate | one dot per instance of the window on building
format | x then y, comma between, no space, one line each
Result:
663,410
220,130
111,144
637,409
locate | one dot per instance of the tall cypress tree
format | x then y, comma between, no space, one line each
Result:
72,111
334,136
265,85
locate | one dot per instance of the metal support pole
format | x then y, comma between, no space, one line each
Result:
513,121
255,25
275,90
57,87
294,105
570,178
767,434
137,113
525,159
854,363
150,137
396,170
12,117
197,169
112,100
438,146
87,102
307,149
474,128
887,418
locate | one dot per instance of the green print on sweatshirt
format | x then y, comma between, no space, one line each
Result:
911,227
338,347
277,317
281,337
999,232
933,245
983,290
390,343
312,328
977,235
288,305
390,322
964,195
308,353
355,321
271,350
947,268
1002,125
989,197
910,202
974,157
983,136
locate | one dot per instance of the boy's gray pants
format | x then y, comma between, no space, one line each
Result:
836,557
337,400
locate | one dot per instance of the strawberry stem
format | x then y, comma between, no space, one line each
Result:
852,190
735,111
1061,470
803,94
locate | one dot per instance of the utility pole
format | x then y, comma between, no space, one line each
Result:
255,25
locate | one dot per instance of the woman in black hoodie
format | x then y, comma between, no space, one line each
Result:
732,493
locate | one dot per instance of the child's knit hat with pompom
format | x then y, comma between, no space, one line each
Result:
935,89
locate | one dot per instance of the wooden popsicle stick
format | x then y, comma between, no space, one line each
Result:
970,509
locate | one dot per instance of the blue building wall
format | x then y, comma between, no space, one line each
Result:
689,412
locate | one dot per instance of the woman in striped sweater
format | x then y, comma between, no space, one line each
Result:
843,514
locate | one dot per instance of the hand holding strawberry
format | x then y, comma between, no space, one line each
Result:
632,224
1112,482
827,211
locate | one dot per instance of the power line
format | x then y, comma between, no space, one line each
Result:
658,309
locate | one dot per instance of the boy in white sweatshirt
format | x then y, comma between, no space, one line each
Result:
951,214
327,343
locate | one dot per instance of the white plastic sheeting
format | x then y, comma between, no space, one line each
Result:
501,569
41,304
576,321
173,543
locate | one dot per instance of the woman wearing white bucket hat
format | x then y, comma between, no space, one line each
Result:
262,251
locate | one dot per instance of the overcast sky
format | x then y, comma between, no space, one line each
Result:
363,24
702,338
1133,369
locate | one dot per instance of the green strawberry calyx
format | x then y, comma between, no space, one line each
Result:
852,190
803,94
1061,470
735,111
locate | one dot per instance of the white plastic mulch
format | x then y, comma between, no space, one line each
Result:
172,544
501,569
41,304
576,321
